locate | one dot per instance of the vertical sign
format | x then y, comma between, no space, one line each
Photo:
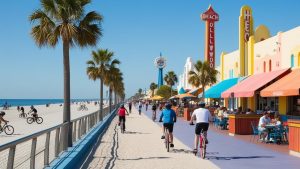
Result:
210,17
246,30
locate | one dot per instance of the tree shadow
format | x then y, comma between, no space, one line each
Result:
236,157
143,158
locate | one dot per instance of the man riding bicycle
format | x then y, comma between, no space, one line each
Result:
169,118
122,113
34,112
2,114
154,110
202,117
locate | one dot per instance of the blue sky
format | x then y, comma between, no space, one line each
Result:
136,30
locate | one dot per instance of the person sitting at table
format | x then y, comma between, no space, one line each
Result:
225,112
220,113
263,121
249,111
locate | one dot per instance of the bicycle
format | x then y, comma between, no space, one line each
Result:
202,144
38,120
8,129
167,141
82,108
122,126
22,115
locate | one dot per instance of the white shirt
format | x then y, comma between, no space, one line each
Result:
202,115
263,120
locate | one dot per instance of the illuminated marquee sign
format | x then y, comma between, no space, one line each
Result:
210,17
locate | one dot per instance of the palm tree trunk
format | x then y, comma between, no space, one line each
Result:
171,91
110,90
101,100
67,130
203,94
115,103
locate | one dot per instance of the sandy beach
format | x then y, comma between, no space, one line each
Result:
141,147
52,116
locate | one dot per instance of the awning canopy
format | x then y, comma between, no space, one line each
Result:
196,92
289,85
247,87
216,90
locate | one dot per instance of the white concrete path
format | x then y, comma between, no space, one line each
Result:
141,148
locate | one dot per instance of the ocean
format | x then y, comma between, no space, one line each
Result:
28,102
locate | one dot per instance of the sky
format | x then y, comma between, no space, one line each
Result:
136,31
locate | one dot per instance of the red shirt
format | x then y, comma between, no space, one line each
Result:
122,112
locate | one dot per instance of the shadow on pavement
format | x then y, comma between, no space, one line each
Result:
135,132
181,151
145,158
236,157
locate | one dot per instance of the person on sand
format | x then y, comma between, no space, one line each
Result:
34,112
122,113
2,114
168,116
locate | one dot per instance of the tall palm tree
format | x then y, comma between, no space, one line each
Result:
171,78
153,86
203,75
140,92
98,68
113,76
66,21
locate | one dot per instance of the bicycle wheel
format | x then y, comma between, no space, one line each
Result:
39,120
30,120
9,130
202,147
167,143
122,126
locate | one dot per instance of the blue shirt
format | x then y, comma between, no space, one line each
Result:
168,116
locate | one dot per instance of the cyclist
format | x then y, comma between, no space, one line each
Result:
169,118
154,110
2,114
202,116
34,112
22,111
129,106
122,113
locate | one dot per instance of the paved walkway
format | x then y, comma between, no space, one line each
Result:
227,152
141,147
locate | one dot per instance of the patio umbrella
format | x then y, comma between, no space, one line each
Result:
156,97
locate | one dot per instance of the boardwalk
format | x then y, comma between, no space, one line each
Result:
141,147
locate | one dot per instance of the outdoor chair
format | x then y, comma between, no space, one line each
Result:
223,124
255,132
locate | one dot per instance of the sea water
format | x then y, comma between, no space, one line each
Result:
28,102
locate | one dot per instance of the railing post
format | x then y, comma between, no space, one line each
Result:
46,153
32,154
79,129
74,131
57,145
11,157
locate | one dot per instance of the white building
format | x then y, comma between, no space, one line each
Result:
183,78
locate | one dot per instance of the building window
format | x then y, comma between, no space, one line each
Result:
270,65
292,60
264,66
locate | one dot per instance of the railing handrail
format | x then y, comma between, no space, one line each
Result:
29,137
37,134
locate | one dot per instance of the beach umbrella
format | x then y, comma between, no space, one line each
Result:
186,96
156,97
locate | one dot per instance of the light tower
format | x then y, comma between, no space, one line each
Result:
210,17
160,63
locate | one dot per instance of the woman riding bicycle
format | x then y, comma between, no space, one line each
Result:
122,113
202,117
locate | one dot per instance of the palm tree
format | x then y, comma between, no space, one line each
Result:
140,92
68,22
112,77
153,86
203,75
171,78
98,69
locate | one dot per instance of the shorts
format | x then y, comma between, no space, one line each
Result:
122,118
201,126
169,126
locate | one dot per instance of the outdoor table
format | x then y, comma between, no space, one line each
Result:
270,128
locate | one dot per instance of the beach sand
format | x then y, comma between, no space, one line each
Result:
52,116
141,147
